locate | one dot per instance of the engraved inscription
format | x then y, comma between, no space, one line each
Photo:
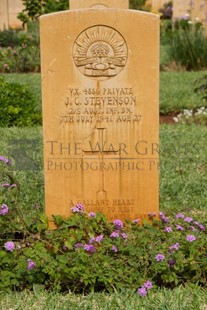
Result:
89,105
100,52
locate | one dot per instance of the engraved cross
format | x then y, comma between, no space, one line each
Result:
101,193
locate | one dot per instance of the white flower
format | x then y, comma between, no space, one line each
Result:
175,119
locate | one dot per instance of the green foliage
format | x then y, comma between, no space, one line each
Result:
20,51
188,47
17,105
137,4
25,58
11,37
35,8
54,6
166,27
33,82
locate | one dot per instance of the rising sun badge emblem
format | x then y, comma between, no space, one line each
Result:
100,52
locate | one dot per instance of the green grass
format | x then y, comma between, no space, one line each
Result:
191,298
33,80
183,173
164,55
176,89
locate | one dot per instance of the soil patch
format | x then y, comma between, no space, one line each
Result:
167,119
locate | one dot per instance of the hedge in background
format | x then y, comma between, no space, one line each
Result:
17,105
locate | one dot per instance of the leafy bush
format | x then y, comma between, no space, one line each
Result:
188,47
34,8
17,105
137,4
166,27
88,253
23,55
25,58
10,37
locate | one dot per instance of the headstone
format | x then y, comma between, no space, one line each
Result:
199,12
181,8
100,80
3,15
9,10
195,11
15,7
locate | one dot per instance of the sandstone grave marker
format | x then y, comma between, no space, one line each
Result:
181,8
100,79
9,10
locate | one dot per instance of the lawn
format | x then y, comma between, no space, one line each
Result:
190,298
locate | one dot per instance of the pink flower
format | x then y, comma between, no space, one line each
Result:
78,208
142,291
99,238
180,216
92,240
168,229
114,234
190,238
124,235
92,214
174,247
159,257
188,219
151,215
179,227
4,209
9,246
5,185
118,223
5,160
30,264
78,245
89,248
148,285
114,248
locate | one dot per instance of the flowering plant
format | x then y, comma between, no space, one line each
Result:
199,116
88,253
